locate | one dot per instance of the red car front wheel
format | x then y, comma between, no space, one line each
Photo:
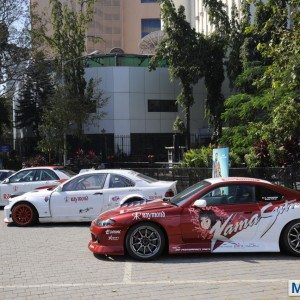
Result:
145,241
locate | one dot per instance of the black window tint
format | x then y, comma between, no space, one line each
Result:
117,181
23,176
265,194
230,194
48,175
162,106
86,182
37,175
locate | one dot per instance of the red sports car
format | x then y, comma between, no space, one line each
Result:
214,215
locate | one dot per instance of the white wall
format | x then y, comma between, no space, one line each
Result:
128,90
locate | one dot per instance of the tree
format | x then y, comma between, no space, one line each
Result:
78,99
35,91
181,47
14,41
5,121
263,119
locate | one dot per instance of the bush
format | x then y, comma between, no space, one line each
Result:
197,158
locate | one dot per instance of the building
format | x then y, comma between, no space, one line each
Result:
197,15
121,30
141,106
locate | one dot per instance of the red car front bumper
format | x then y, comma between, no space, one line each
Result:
106,240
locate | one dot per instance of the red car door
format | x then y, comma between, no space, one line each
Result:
226,223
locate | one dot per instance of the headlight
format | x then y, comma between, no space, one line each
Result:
103,223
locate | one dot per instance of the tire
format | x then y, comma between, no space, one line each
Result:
24,214
133,201
145,241
291,238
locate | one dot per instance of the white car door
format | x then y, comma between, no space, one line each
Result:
19,183
117,188
80,199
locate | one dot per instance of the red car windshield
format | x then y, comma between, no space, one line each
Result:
182,197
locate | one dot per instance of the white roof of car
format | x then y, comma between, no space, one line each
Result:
44,167
118,171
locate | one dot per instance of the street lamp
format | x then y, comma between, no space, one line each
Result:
62,72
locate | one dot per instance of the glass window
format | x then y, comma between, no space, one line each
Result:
148,1
149,25
47,175
182,197
162,106
230,194
117,181
265,194
145,177
5,174
66,171
23,176
86,182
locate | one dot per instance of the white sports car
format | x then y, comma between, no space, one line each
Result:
84,196
28,179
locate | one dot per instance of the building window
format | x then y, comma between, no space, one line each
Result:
149,25
148,1
162,106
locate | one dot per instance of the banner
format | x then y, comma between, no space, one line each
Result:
220,162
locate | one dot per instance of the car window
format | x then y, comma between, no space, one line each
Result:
230,194
86,182
265,194
48,175
23,176
117,181
146,178
186,194
66,171
4,174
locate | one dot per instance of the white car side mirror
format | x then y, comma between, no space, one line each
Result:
5,181
200,203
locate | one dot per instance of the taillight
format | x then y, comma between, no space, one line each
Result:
169,194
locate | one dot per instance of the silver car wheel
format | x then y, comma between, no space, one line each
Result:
294,237
145,241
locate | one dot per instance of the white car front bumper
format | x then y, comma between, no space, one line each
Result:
7,214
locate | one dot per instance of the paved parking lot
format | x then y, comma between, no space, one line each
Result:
53,262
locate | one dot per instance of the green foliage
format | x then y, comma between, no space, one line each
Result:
4,115
182,48
75,101
214,76
14,41
36,88
263,120
197,158
178,125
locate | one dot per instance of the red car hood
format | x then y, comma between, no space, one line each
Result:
155,205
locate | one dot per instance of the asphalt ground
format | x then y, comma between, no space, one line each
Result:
52,261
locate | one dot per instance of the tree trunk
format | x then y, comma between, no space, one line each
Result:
188,128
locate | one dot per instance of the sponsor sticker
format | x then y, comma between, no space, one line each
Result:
110,231
76,199
115,198
113,238
150,215
294,288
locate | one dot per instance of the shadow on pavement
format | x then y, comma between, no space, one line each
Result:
251,258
